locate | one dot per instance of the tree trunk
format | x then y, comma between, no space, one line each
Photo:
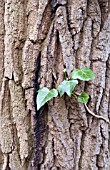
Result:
38,39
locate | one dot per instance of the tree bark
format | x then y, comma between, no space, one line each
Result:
38,39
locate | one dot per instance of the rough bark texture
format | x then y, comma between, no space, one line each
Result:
38,39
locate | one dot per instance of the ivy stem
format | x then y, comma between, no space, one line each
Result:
93,114
65,78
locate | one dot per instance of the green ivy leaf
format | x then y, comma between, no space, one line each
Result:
67,86
84,74
83,98
44,95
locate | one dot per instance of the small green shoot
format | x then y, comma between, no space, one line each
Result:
66,86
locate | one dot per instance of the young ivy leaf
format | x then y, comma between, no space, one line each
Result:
84,74
67,86
83,98
44,95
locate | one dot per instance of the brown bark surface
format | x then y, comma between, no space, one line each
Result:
38,39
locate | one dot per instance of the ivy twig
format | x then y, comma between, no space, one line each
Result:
93,114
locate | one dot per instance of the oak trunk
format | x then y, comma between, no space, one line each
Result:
38,39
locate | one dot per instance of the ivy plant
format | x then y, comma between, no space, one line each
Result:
67,86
